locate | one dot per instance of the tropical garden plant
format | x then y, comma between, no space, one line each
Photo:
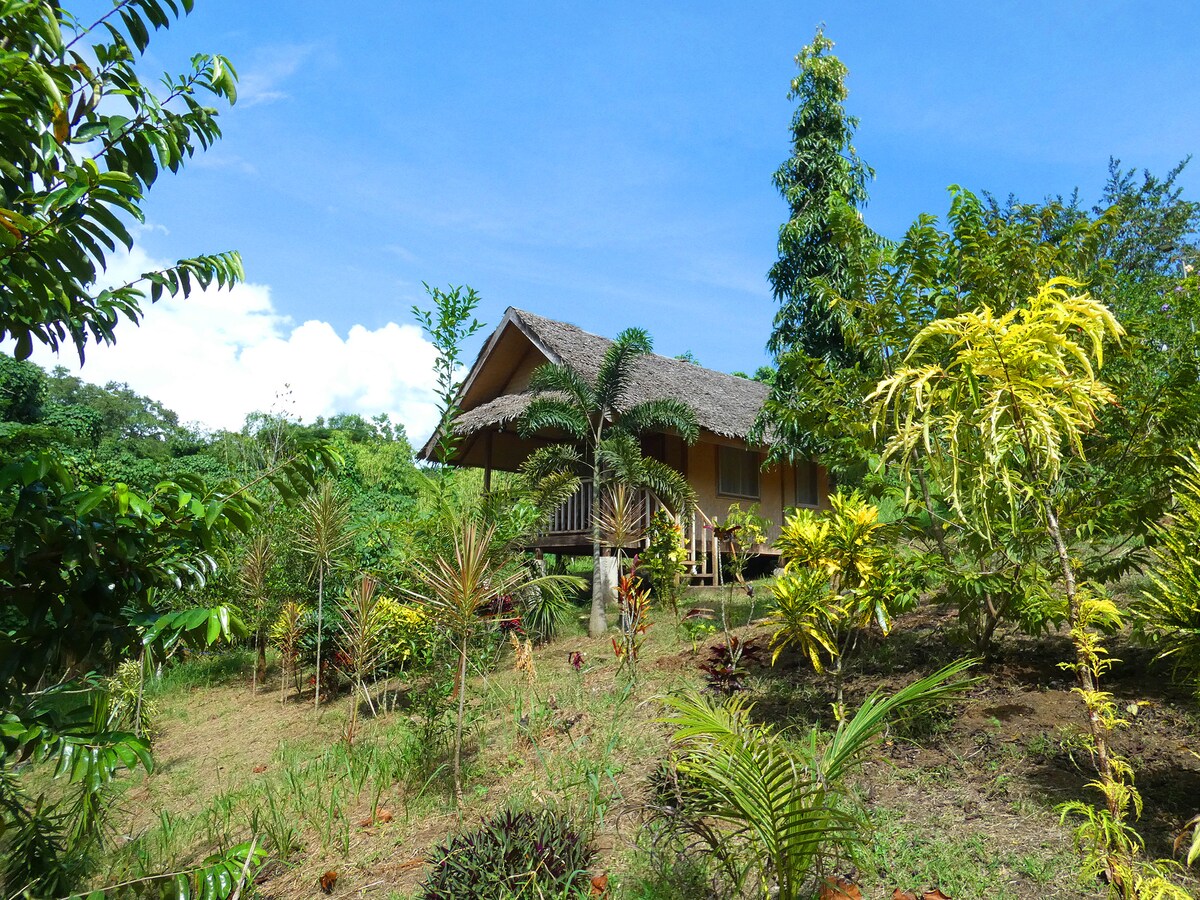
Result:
515,853
787,817
841,577
998,402
602,427
460,588
325,537
1168,614
663,561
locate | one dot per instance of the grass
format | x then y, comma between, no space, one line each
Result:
961,798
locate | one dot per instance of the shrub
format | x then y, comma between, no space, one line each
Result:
406,635
663,559
515,853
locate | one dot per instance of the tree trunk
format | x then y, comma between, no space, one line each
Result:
1086,681
458,726
320,620
261,667
934,523
598,623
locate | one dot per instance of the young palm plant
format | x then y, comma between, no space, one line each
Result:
601,425
325,536
782,800
460,587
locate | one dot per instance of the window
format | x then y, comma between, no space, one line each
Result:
737,472
808,484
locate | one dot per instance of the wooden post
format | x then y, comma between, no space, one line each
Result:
487,463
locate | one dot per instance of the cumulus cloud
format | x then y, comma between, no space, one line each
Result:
221,354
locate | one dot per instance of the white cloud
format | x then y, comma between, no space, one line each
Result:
221,354
261,82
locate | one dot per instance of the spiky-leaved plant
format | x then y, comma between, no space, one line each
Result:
458,589
517,853
325,537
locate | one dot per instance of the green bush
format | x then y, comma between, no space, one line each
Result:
663,559
516,853
406,635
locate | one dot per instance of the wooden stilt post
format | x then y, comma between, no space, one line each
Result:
487,463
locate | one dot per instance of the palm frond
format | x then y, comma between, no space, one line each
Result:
551,491
750,779
854,734
612,380
554,414
669,485
662,414
621,456
551,459
554,377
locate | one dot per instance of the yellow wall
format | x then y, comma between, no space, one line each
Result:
776,485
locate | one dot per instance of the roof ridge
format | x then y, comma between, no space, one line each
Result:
669,359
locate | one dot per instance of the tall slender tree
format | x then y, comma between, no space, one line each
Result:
823,171
253,574
603,428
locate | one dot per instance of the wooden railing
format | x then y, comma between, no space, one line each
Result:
574,516
703,548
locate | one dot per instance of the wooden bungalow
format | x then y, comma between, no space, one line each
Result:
722,466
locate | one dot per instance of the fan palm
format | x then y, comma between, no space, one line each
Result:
598,421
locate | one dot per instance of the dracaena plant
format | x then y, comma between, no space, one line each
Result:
460,588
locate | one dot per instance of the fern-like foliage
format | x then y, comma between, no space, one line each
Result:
1169,613
785,799
993,401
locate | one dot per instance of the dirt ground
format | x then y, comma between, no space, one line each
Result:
975,787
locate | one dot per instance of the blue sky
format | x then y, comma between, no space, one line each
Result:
610,163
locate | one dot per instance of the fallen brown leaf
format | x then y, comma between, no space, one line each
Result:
258,770
599,885
898,894
835,887
935,894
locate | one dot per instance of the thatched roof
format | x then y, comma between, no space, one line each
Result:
724,405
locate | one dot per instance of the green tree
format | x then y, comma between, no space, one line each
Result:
254,576
824,168
604,431
998,402
83,139
1169,612
449,324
